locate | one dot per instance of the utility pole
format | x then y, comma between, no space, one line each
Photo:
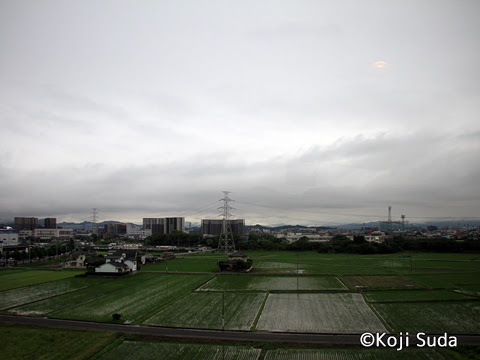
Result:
223,312
226,242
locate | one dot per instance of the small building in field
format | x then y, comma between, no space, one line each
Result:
238,256
237,262
112,267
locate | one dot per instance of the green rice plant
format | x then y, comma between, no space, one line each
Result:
269,283
204,310
354,354
323,313
15,279
65,300
448,281
432,318
151,350
187,264
27,294
34,342
414,295
134,301
380,281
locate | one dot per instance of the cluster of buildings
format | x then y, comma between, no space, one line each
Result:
30,227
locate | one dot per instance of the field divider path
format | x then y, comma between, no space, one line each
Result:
259,313
199,288
377,314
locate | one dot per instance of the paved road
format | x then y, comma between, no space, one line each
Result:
258,336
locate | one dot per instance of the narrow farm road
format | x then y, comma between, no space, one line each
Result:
208,335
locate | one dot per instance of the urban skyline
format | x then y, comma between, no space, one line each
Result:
309,112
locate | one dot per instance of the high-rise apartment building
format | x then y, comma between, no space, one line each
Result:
50,223
157,225
214,226
25,223
116,228
174,224
164,225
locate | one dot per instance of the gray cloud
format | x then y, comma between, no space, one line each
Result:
154,108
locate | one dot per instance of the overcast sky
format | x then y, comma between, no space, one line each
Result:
309,112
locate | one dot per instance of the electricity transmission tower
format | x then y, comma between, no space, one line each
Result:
94,220
225,242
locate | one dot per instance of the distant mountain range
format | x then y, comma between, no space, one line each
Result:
87,225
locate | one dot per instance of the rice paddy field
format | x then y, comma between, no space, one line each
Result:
192,264
27,294
432,317
10,279
272,283
146,350
353,354
323,313
22,342
415,295
381,281
204,310
135,301
286,292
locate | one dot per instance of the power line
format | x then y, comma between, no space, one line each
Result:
360,215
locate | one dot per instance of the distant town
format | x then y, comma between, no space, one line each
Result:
174,232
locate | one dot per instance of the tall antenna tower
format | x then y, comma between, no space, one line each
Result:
225,242
94,220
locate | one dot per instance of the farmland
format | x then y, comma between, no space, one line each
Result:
145,350
19,278
326,313
23,295
184,265
414,295
353,354
292,292
50,343
380,281
434,317
204,310
133,302
270,283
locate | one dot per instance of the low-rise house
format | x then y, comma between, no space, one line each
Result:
80,259
237,262
112,267
118,261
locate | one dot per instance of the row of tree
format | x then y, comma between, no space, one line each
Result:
338,244
40,252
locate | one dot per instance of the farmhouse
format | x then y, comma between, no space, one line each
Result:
112,267
237,261
119,261
80,259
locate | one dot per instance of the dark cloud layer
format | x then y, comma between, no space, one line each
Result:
309,112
